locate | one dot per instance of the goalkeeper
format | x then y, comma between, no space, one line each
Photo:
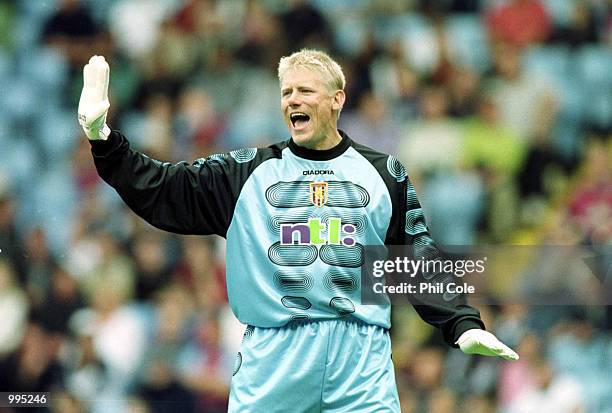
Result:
296,215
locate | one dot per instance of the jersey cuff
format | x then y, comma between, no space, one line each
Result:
102,148
464,325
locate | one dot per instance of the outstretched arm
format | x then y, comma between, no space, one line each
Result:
460,323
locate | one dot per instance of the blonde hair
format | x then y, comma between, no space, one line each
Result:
317,61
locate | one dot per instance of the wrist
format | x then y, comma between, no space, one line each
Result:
104,132
97,132
465,325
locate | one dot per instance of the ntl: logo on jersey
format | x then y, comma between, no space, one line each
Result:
311,233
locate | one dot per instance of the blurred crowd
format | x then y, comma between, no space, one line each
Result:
501,111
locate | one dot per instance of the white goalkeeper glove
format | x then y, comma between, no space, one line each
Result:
94,104
476,341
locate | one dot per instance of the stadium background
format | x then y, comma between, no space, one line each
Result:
501,111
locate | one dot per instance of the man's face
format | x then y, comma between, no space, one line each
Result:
310,108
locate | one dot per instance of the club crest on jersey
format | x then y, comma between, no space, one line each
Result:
318,193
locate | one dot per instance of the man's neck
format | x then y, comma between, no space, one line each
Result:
328,142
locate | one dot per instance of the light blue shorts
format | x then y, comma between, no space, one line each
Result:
318,366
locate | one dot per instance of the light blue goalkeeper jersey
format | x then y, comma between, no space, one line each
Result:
295,242
296,222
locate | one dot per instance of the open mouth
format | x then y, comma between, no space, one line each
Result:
299,119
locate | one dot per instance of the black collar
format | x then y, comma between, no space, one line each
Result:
321,155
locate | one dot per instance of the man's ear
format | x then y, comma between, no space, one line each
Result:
339,98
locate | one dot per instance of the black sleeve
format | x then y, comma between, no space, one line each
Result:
452,317
181,198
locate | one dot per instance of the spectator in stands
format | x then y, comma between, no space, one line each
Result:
75,32
199,127
511,87
34,366
463,88
372,123
516,380
61,301
396,82
490,145
519,22
151,263
435,130
304,25
581,26
14,306
87,376
590,205
39,266
10,244
204,366
553,393
161,384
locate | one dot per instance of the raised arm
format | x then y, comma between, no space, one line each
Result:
182,198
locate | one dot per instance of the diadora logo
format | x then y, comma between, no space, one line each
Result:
310,233
318,172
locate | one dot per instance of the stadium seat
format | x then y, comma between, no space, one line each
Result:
58,131
5,133
593,69
19,100
22,163
562,12
467,41
453,203
593,65
38,9
45,67
548,61
55,192
350,35
417,37
26,32
6,66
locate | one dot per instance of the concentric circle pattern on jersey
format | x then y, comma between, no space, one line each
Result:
294,194
426,252
422,239
414,222
248,333
237,363
300,303
396,169
244,154
342,256
342,305
289,217
292,255
411,196
299,317
336,281
217,157
295,282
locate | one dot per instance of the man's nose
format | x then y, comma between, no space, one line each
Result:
294,99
